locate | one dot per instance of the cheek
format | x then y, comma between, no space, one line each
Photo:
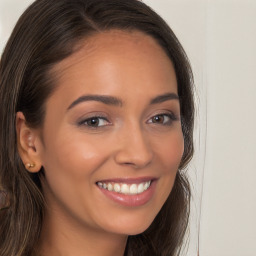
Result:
169,154
78,154
70,164
73,156
171,151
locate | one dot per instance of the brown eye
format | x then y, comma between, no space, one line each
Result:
163,119
94,122
158,119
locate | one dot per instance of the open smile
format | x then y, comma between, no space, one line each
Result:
124,188
128,192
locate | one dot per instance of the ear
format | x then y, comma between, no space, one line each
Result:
29,144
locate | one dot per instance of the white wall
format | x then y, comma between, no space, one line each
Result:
229,200
220,39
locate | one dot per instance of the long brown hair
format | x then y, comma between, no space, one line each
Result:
45,34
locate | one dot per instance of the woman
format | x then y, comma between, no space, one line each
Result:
96,131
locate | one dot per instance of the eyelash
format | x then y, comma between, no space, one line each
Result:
85,121
172,117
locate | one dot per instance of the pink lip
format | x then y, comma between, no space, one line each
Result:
129,180
131,200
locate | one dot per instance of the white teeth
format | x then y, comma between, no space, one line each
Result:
146,185
117,187
140,188
133,189
127,189
110,187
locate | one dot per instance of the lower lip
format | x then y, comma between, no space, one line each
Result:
131,200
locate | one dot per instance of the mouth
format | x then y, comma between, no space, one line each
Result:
129,192
125,188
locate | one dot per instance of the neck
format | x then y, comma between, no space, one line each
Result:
62,237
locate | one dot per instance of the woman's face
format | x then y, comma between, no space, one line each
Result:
112,139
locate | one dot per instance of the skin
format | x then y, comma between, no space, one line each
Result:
135,139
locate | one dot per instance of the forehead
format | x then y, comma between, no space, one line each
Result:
116,40
122,45
117,63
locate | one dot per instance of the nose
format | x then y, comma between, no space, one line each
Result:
134,148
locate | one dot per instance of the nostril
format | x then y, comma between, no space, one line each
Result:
131,164
125,159
128,163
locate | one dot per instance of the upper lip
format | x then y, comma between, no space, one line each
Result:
129,180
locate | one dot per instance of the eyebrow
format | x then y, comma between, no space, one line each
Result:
114,101
108,100
164,97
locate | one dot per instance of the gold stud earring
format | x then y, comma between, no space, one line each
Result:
29,165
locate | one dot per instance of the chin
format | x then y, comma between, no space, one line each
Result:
131,225
135,230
